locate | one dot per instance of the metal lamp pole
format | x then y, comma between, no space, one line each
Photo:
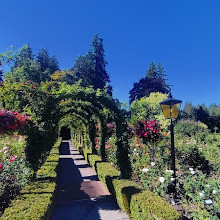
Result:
173,166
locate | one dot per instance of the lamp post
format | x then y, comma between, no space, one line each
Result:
170,108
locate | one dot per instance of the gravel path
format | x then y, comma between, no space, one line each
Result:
79,194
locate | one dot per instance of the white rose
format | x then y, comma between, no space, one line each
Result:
169,171
214,191
145,170
161,179
152,164
202,194
192,172
191,169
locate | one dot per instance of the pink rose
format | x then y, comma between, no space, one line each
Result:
12,158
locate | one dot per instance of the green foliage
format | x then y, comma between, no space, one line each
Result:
46,62
146,205
25,67
36,198
93,159
124,189
139,159
155,178
149,108
153,82
90,69
189,128
15,172
23,57
199,188
188,112
96,100
48,102
106,173
193,157
207,115
86,152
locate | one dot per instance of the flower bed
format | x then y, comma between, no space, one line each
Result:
11,120
35,201
15,172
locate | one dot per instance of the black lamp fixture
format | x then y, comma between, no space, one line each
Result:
170,108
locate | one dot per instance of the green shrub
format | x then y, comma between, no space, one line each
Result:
106,173
146,205
191,128
124,189
86,151
93,159
35,201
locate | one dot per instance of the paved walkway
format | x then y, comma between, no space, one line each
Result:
79,194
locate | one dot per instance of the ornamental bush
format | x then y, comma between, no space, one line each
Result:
189,128
10,121
149,130
124,189
106,173
146,205
86,152
93,159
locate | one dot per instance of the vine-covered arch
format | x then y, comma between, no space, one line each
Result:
99,100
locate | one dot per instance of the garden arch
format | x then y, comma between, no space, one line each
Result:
101,100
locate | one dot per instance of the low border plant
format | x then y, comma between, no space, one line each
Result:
35,200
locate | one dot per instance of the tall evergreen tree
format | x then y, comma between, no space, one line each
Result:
43,59
26,67
47,62
24,57
154,81
53,64
91,68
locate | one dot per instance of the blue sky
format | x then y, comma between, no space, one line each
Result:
183,35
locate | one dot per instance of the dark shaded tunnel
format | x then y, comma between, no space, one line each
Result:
65,133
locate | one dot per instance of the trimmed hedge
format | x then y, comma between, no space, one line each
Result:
124,189
93,159
146,205
106,173
136,202
86,151
35,200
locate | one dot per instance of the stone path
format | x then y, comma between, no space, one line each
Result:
79,194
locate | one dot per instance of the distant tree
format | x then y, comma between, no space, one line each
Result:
91,68
25,67
97,54
84,70
214,112
202,114
154,81
43,59
189,111
24,57
53,64
47,62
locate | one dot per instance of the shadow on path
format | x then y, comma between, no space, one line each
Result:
79,194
